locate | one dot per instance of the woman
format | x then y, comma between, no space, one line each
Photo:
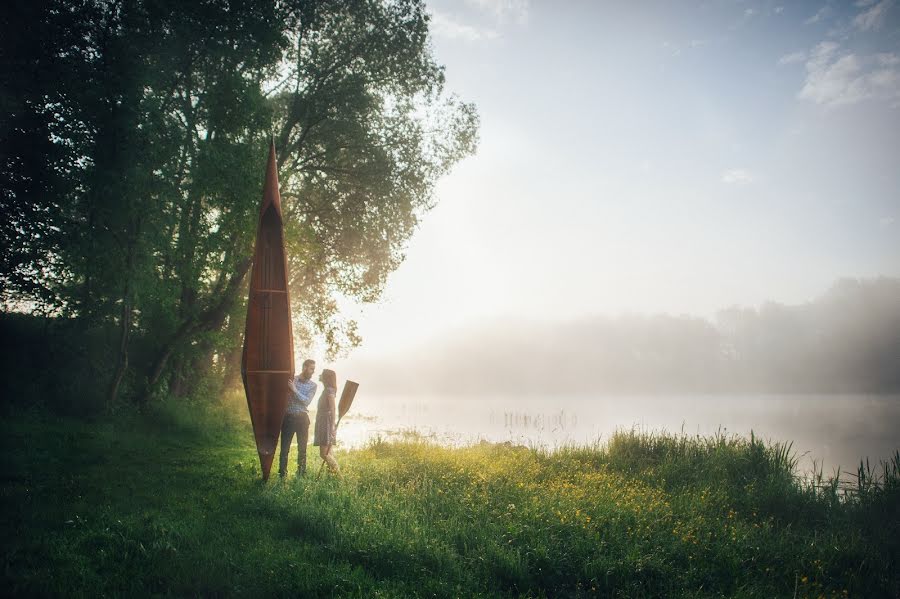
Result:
324,435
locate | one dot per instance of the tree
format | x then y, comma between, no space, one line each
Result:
38,149
165,128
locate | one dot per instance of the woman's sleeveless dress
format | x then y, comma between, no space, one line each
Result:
326,418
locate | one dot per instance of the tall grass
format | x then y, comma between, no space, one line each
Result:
173,505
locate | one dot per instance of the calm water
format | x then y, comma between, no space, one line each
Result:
838,430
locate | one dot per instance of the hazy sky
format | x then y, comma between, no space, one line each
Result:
667,157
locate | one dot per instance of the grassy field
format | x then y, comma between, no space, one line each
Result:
171,504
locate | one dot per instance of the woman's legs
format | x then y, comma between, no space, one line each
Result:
325,452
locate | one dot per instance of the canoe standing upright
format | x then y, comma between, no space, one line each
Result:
267,362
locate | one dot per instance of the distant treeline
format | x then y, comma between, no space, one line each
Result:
847,340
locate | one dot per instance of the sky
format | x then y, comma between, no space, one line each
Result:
644,158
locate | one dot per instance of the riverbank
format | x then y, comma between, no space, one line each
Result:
172,504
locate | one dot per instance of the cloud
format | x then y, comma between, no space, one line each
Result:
737,176
676,48
886,221
673,49
820,15
503,10
779,10
792,58
445,26
873,18
833,79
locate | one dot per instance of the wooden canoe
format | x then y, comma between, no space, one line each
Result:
267,362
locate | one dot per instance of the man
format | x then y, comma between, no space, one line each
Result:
301,390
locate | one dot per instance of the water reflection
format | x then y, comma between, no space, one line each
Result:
834,430
524,421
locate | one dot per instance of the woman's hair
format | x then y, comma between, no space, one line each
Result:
329,378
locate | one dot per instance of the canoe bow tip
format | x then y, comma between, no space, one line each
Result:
270,188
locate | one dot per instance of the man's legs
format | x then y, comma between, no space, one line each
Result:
302,440
288,426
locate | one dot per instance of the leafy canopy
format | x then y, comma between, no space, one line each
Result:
133,156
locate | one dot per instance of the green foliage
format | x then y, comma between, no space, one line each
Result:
53,363
172,504
50,363
141,211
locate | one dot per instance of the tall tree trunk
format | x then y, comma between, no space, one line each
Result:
125,322
122,361
177,384
231,357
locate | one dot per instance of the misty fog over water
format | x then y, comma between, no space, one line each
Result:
845,341
834,430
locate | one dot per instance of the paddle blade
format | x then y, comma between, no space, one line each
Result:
347,396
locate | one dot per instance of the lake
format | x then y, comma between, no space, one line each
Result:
834,430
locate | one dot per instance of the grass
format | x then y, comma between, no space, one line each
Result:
172,504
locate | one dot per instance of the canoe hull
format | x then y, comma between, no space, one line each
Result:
267,363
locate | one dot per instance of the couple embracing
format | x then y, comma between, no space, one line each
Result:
301,390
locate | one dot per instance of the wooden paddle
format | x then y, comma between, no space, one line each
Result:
344,404
347,396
